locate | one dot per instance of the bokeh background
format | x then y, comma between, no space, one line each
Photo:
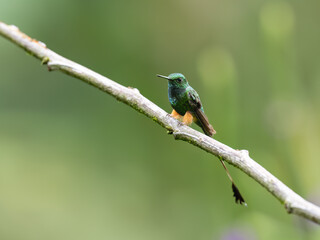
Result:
77,164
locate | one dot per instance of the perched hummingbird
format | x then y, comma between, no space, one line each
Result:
187,106
186,103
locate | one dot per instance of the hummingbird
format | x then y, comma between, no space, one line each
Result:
187,107
186,103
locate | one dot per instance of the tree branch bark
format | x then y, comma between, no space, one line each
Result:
292,202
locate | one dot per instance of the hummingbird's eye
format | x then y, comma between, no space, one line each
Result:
179,80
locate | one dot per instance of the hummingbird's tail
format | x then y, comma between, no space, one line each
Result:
203,122
236,192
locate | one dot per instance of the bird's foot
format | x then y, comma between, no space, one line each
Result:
181,123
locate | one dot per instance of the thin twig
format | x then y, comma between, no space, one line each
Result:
240,158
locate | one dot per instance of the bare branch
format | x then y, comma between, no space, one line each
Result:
292,202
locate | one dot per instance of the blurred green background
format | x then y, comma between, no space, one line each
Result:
77,164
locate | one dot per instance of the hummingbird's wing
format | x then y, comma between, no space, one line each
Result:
196,107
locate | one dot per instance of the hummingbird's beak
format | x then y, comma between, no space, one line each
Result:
158,75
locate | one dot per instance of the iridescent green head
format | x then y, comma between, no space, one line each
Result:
176,80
